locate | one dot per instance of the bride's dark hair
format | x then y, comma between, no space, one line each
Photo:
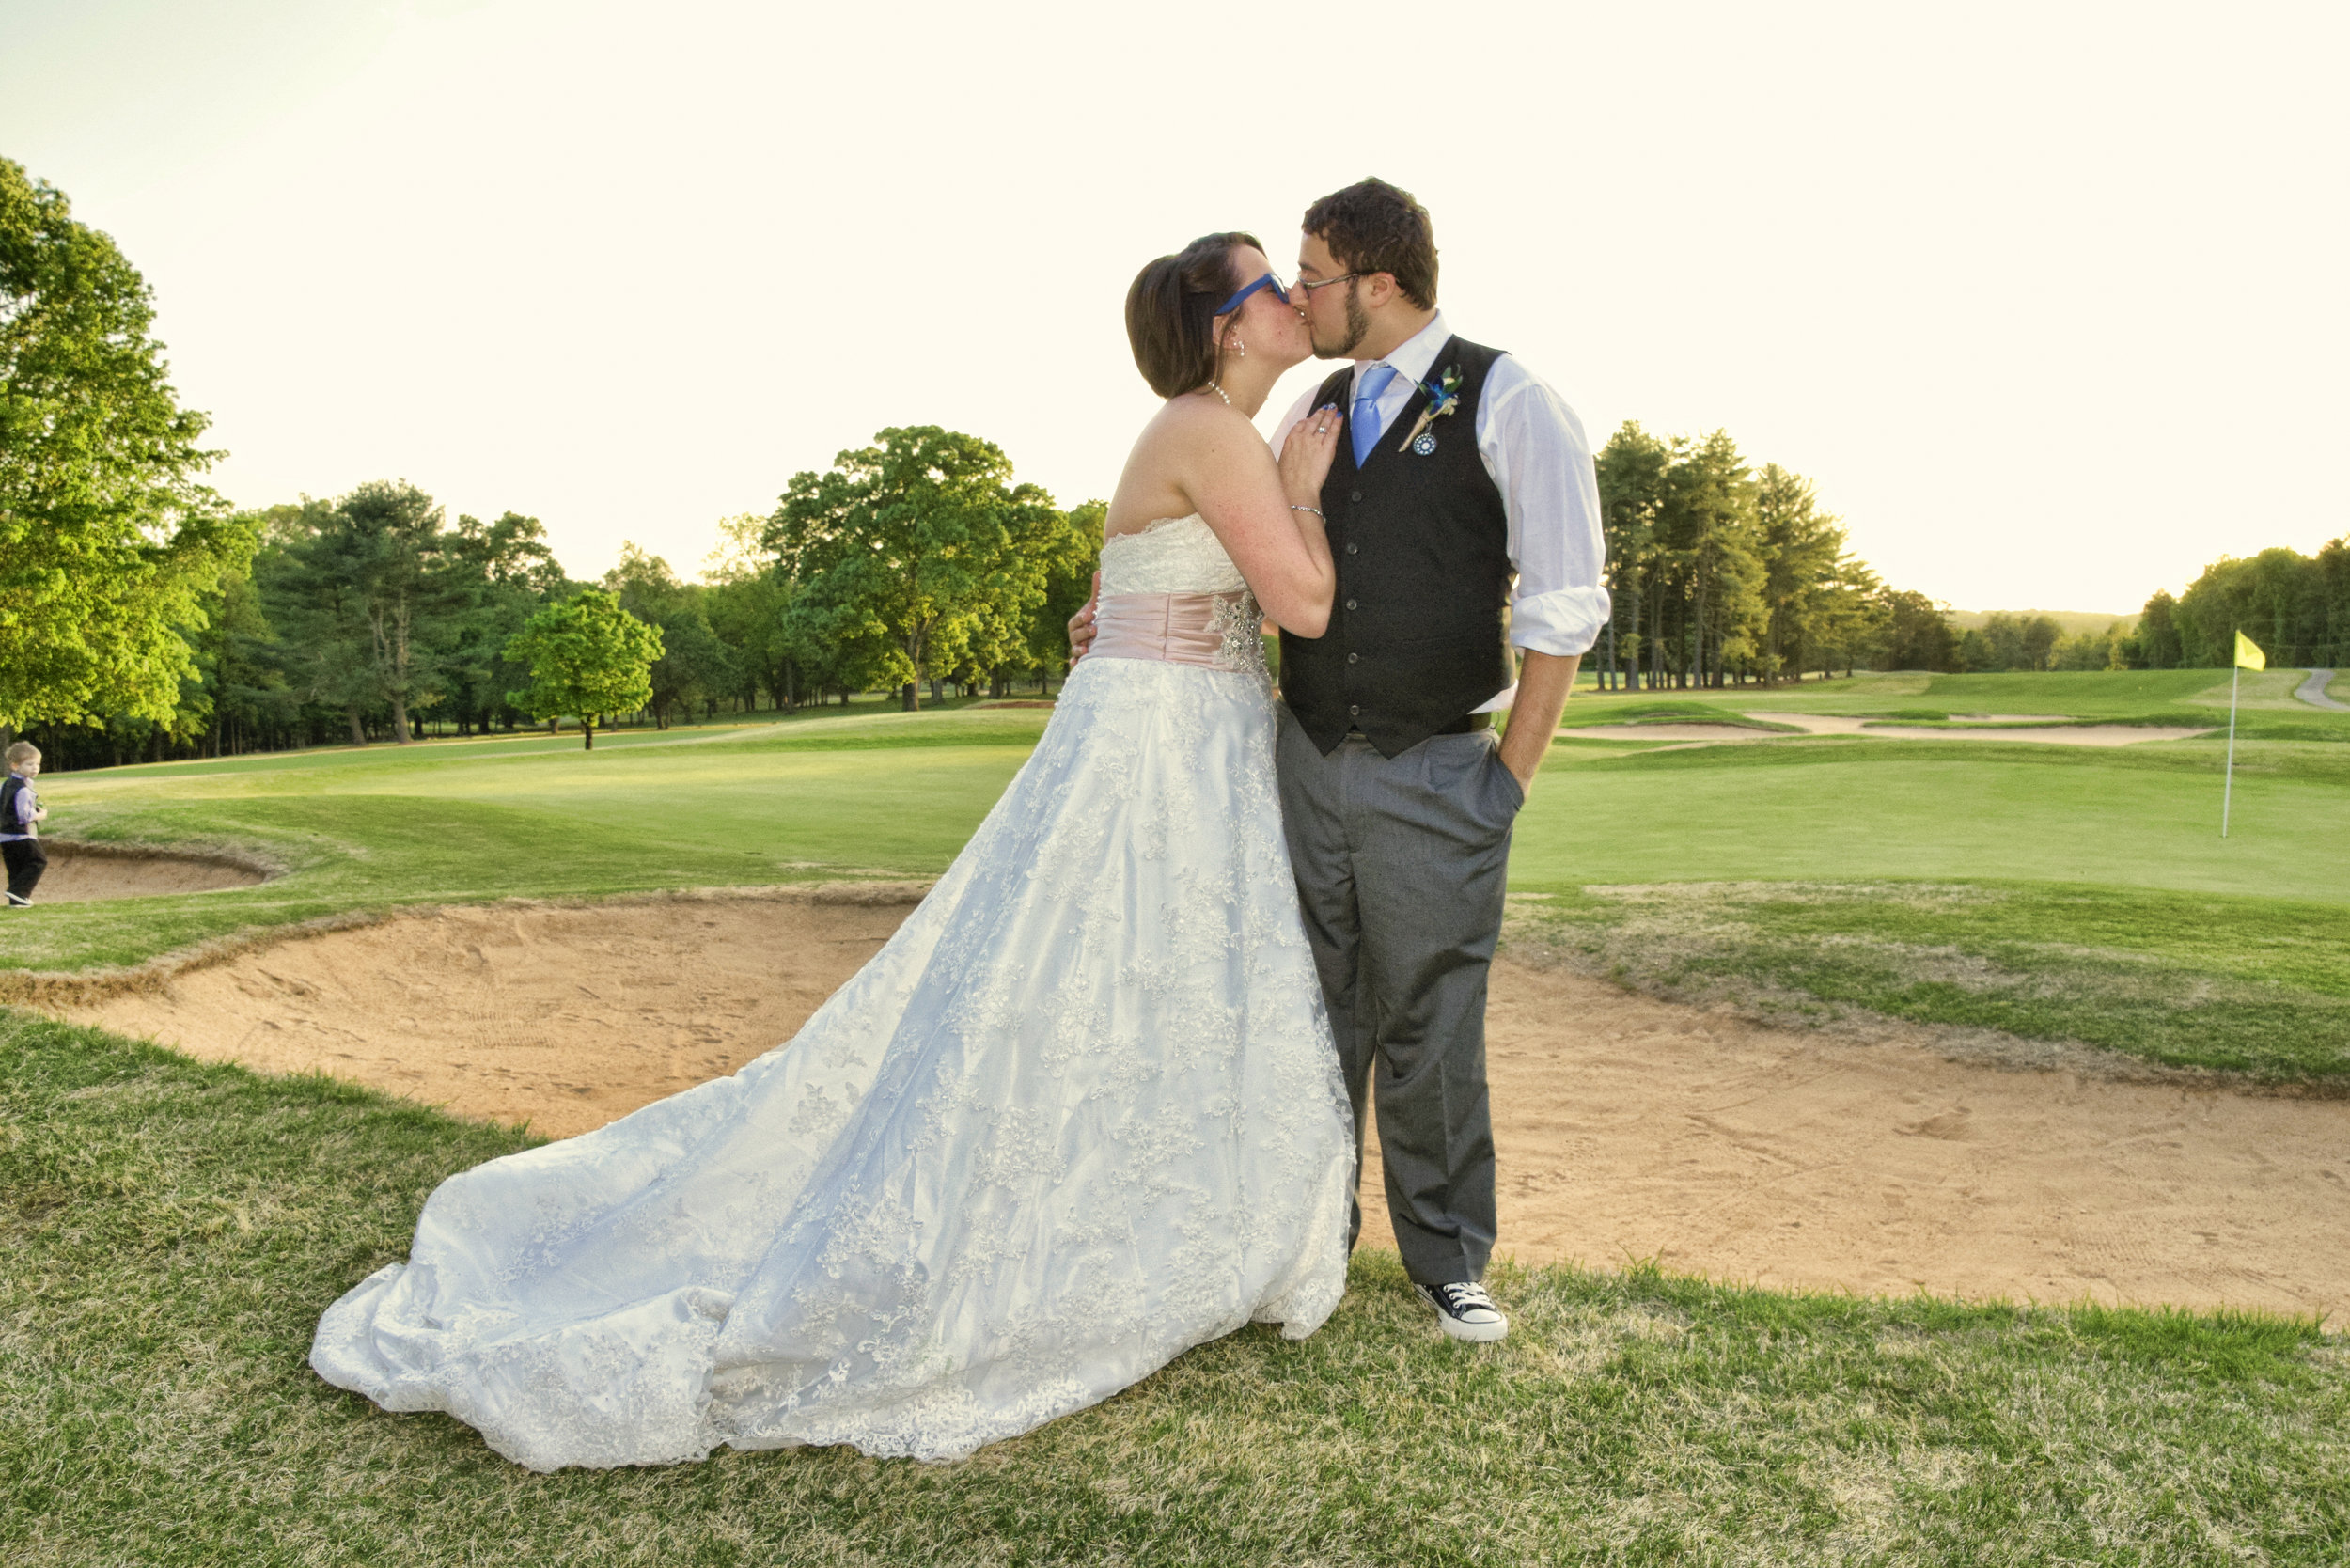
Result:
1170,312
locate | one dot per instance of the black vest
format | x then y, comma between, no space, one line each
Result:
1422,546
13,788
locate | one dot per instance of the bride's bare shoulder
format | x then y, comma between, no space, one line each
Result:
1155,483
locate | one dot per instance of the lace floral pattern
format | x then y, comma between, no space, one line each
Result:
1079,1114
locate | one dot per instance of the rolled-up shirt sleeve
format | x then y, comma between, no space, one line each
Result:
1535,450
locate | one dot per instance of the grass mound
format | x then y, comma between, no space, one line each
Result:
2256,987
169,1232
1669,712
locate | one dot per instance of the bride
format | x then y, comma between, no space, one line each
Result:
1079,1115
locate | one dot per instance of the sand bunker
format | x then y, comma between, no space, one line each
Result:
2071,734
84,873
1628,1128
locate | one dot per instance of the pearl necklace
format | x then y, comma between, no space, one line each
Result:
1218,391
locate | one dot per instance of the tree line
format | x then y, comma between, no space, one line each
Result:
915,564
1723,574
2295,606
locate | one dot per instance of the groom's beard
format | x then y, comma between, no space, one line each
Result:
1357,328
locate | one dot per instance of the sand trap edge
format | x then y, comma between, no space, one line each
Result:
48,988
201,854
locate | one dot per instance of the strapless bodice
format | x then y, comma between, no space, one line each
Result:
1175,554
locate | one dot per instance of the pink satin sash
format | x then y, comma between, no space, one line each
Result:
1179,628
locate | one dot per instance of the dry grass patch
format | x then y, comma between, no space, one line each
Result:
2118,981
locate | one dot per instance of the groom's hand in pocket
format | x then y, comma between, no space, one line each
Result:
1081,624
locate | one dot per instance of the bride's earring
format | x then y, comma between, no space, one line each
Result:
1240,350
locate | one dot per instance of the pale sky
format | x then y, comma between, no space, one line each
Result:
2045,297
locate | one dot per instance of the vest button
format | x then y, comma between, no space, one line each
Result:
1351,658
1349,603
1353,710
1354,496
1351,547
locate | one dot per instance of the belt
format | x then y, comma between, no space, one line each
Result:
1177,628
1468,724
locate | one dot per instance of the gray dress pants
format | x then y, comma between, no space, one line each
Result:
1402,863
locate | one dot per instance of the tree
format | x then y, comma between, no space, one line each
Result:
586,656
108,542
918,555
1706,550
694,665
508,572
1803,557
1631,472
371,593
1917,632
2157,635
743,598
1071,553
2276,598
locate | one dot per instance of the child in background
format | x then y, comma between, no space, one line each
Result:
21,812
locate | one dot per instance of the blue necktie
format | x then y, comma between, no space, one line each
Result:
1365,421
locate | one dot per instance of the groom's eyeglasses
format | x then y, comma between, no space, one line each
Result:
1307,288
1268,281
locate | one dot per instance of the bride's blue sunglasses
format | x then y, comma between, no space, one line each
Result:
1268,281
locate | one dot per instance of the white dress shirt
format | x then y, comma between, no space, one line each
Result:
1535,452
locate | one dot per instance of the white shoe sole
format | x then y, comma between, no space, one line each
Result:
1473,1333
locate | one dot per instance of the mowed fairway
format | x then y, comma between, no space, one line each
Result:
1837,808
169,1228
898,793
471,821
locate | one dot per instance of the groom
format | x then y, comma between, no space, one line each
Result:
1467,491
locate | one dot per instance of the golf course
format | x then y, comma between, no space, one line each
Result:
1923,1137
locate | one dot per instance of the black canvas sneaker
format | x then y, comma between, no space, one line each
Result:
15,902
1465,1312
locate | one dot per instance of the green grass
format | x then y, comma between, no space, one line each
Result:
360,830
1833,808
169,1232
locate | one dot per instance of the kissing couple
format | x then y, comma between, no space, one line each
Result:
1101,1097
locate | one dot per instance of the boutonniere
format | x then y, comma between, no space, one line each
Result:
1442,400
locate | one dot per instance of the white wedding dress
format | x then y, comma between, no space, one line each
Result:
1080,1114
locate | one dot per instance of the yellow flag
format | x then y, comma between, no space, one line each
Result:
2248,654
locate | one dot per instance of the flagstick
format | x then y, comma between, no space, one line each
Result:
2227,793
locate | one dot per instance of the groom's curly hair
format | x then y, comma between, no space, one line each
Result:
1373,227
1170,312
